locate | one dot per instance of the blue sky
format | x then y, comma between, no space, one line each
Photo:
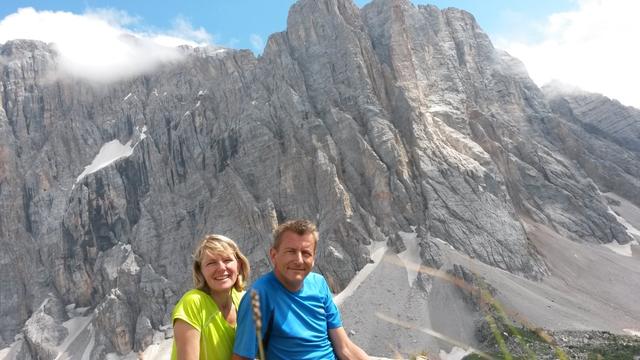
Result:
589,44
233,22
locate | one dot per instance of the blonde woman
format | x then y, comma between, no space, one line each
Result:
204,320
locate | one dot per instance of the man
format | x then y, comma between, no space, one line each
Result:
299,318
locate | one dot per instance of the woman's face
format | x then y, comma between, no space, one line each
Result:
220,271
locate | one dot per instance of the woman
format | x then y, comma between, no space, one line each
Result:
204,320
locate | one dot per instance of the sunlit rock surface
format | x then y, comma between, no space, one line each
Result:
372,122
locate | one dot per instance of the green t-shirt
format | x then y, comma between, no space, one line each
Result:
199,310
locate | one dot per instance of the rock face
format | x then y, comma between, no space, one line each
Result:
601,135
368,121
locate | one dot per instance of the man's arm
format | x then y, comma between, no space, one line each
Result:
187,340
344,347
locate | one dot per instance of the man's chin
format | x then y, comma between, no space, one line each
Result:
297,277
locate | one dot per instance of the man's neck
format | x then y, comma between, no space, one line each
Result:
291,287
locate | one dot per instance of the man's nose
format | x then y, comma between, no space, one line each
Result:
299,256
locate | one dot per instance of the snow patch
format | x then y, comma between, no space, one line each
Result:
631,230
624,250
335,252
411,256
111,152
130,264
86,355
73,311
115,292
142,132
634,332
161,350
81,311
202,92
76,326
440,108
444,243
626,210
112,264
5,352
377,250
127,97
44,303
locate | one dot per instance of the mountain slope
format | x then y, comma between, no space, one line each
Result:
373,122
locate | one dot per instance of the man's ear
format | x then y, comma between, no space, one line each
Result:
272,255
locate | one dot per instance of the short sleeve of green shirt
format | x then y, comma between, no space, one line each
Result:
199,310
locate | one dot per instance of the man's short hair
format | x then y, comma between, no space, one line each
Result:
298,226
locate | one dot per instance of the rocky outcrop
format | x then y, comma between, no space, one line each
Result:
369,121
43,331
600,134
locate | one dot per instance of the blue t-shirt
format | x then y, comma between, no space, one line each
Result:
301,320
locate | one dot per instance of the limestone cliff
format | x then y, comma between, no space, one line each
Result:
371,121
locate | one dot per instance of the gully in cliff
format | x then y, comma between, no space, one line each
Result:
204,320
299,319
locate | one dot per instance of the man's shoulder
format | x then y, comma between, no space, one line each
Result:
264,282
316,279
315,283
314,276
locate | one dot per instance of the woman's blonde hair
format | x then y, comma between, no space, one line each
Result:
219,244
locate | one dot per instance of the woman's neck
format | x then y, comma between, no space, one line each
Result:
225,305
222,299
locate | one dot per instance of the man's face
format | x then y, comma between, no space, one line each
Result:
293,259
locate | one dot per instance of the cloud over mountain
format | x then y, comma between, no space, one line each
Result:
592,48
98,45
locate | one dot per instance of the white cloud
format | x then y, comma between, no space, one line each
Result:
97,45
183,29
594,48
257,42
113,17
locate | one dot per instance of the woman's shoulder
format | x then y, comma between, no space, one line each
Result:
237,295
194,295
191,306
